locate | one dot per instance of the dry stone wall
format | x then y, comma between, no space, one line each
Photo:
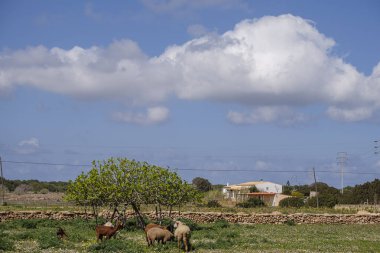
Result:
208,217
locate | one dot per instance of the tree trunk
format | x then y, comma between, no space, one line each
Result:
114,212
160,213
156,212
170,211
140,219
95,214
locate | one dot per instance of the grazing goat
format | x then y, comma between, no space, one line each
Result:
159,235
61,234
182,233
150,226
107,231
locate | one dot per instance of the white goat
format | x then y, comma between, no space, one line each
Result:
182,233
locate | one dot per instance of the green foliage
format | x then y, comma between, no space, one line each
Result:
290,222
6,244
121,181
292,202
323,200
44,191
132,224
222,223
35,185
213,203
253,189
202,184
48,239
29,224
297,194
252,202
117,246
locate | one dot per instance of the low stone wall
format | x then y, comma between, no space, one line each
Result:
208,217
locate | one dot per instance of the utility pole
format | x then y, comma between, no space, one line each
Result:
316,188
341,161
2,181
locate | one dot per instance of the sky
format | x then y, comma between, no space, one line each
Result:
231,91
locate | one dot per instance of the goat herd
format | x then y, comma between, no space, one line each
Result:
153,232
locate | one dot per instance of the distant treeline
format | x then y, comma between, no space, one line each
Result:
35,185
368,193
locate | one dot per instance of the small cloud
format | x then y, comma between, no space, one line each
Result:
349,115
152,116
28,146
282,115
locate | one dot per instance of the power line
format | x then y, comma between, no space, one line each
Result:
195,169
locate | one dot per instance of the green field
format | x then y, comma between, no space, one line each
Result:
40,236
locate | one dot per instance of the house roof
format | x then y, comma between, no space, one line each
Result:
254,183
246,184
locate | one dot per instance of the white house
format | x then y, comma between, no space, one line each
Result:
270,193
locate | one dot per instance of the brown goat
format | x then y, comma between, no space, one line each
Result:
149,226
106,231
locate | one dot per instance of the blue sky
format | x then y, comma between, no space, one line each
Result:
228,90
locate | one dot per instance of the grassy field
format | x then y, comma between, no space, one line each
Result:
39,236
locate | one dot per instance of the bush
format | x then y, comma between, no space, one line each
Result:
48,239
292,202
213,203
44,191
132,224
202,184
5,243
252,202
253,189
290,222
323,200
297,194
222,223
29,224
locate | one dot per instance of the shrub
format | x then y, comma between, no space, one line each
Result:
44,191
132,224
290,222
253,189
48,239
29,224
292,202
252,202
213,203
297,194
5,243
323,201
202,184
222,223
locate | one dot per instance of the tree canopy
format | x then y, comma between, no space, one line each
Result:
116,182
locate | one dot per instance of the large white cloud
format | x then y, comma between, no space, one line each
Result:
120,71
271,62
